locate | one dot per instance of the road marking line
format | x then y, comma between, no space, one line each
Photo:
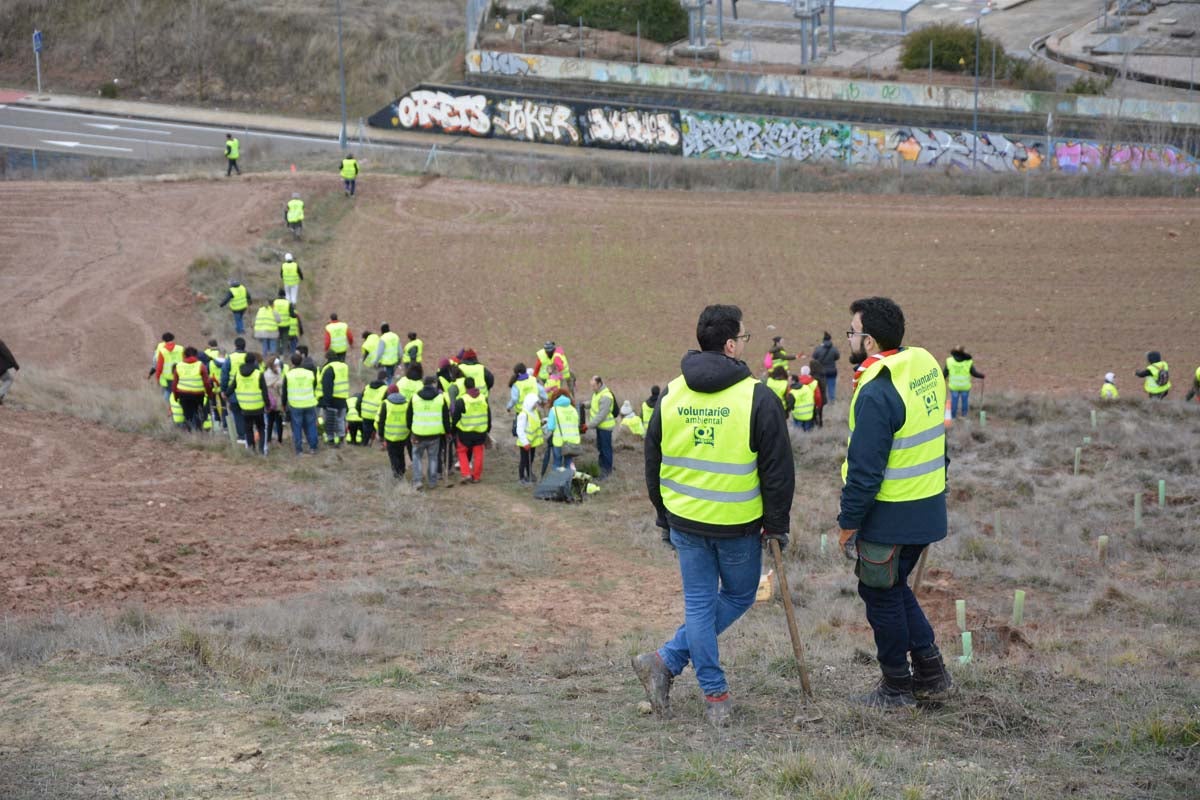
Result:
110,127
73,145
208,147
221,130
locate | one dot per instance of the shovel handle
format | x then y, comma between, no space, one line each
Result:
797,646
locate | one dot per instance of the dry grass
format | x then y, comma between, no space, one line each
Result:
1099,681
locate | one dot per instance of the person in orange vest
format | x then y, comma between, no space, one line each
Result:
191,387
166,355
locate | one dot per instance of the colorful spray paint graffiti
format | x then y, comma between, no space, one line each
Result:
762,138
506,116
696,134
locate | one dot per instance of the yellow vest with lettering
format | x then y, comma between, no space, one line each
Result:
301,388
708,472
916,465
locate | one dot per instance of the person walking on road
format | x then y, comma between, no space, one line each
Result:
827,356
8,370
720,476
349,170
290,275
232,152
1157,376
959,370
893,502
237,297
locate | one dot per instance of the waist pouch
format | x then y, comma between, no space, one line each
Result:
877,565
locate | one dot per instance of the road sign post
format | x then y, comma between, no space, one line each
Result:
37,57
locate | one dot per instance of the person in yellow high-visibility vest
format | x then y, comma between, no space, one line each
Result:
191,387
338,336
293,215
472,421
349,172
334,391
167,354
290,275
602,419
1157,375
232,152
1195,390
720,475
959,370
893,502
529,437
1108,390
300,399
237,297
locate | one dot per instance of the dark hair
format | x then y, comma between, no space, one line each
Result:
381,375
366,334
414,372
329,356
1153,356
168,337
333,316
303,349
297,359
779,372
518,370
469,382
251,359
212,342
655,391
385,328
411,335
189,352
282,293
882,319
239,342
717,325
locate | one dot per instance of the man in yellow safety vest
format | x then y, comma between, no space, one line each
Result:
893,502
472,421
1157,376
959,370
290,275
237,297
720,475
293,215
232,152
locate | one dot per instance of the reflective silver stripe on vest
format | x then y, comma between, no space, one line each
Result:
899,473
929,435
709,494
714,467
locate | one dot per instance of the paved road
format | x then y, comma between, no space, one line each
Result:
121,137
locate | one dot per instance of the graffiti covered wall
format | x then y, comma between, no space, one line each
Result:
696,134
540,120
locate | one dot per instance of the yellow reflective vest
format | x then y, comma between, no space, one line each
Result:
1108,391
427,416
170,358
265,324
301,388
295,210
391,349
338,340
239,298
341,379
372,398
609,422
368,348
708,472
533,428
407,359
1151,383
349,168
290,273
248,391
395,427
232,149
566,425
475,414
916,465
804,399
779,387
959,374
190,379
475,371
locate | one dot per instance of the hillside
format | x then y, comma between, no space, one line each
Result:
273,56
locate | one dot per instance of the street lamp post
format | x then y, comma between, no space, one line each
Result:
342,75
975,114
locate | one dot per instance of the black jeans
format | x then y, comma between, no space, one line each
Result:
395,451
275,426
193,411
896,617
525,470
232,166
254,422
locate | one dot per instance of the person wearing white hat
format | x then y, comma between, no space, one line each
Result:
290,275
1109,390
631,421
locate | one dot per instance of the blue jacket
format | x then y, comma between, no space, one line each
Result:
878,414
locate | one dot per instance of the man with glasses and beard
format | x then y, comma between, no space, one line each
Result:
893,501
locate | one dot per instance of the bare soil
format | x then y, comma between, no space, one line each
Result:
1047,295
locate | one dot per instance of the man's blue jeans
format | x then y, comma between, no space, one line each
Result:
830,388
720,579
896,617
955,399
304,426
604,445
239,325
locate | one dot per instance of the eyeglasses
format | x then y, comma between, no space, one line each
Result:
852,334
745,337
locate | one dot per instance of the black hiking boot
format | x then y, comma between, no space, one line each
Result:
931,682
892,691
656,679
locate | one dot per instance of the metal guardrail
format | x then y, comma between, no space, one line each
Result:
476,11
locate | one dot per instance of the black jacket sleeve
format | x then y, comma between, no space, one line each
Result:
226,299
653,458
977,374
776,468
262,384
326,385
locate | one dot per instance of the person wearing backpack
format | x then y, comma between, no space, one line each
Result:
1157,376
827,356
